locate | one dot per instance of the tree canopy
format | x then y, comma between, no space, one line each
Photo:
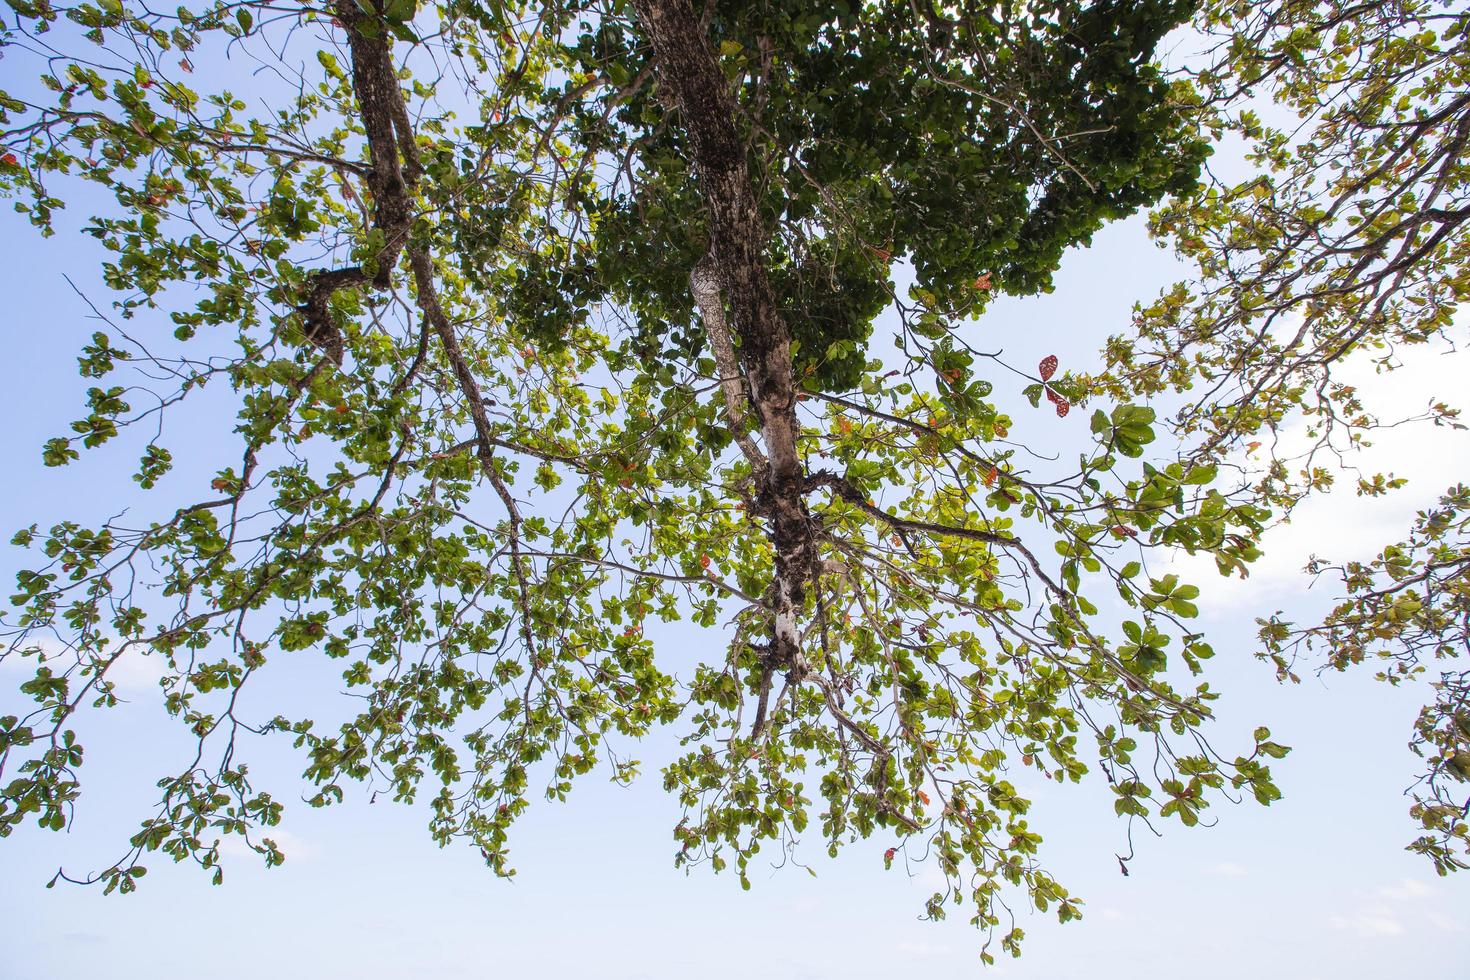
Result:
527,325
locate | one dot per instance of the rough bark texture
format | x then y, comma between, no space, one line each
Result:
704,284
385,123
688,66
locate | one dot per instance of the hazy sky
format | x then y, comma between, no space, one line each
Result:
1317,885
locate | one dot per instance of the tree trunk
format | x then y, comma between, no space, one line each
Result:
687,64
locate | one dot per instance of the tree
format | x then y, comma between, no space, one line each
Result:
1349,238
542,320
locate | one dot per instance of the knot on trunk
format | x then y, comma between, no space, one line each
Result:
706,282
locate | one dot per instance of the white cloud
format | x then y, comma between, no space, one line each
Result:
136,671
1445,923
931,878
15,663
1406,890
1398,909
922,949
803,907
1341,525
1378,921
295,848
1228,869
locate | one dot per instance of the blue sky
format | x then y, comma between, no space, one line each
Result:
1315,886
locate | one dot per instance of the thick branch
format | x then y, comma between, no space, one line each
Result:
384,121
704,284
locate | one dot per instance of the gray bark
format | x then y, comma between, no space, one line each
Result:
688,66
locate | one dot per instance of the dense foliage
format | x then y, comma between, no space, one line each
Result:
540,322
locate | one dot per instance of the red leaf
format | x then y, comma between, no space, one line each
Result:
9,160
1048,367
990,477
888,854
1063,408
1053,397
